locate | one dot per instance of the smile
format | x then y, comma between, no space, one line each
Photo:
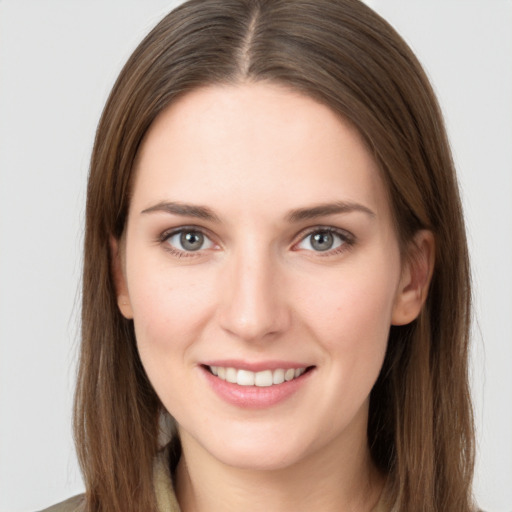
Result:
265,378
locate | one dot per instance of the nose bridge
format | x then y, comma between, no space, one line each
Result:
253,305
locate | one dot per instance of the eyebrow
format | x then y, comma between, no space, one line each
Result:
322,210
298,215
199,212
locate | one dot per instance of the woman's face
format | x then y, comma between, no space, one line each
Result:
262,272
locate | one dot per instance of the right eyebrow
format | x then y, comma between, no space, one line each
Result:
187,210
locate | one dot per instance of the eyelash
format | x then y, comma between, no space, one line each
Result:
166,235
346,238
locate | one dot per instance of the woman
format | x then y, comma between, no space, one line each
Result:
275,256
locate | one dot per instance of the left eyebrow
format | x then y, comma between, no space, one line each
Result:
322,210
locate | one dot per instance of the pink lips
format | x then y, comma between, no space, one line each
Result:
254,397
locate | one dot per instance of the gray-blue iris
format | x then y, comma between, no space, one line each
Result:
191,240
322,241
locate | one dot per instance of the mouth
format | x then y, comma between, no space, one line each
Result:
263,378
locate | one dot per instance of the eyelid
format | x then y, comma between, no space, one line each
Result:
348,239
168,233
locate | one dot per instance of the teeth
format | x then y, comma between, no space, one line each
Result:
231,375
278,377
245,378
264,378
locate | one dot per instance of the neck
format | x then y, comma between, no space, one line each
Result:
320,482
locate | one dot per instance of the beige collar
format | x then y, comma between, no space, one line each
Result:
165,497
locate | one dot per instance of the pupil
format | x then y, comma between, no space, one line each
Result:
322,241
191,241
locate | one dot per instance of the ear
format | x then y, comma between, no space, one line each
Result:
118,273
415,279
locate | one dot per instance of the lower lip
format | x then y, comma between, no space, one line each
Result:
255,397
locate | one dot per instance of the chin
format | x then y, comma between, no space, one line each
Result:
259,459
259,451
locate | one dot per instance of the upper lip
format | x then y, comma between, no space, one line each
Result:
255,366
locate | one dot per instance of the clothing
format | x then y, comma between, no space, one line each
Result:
165,496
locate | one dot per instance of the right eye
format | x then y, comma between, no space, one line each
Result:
188,240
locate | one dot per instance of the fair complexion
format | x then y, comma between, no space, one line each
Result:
260,241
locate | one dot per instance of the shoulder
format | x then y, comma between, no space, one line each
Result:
74,504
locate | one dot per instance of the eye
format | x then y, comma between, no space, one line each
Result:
188,240
323,240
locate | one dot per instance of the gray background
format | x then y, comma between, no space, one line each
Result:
58,60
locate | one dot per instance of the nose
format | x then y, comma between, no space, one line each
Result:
253,304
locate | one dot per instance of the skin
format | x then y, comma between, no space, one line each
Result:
257,290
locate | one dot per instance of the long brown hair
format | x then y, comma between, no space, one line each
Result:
344,55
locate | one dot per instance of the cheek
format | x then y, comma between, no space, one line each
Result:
353,304
351,322
169,307
351,316
170,310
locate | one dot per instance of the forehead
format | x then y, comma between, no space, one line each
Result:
236,145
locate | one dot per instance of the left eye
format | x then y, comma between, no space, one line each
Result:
189,241
322,240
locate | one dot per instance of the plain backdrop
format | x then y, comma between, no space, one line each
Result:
58,60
